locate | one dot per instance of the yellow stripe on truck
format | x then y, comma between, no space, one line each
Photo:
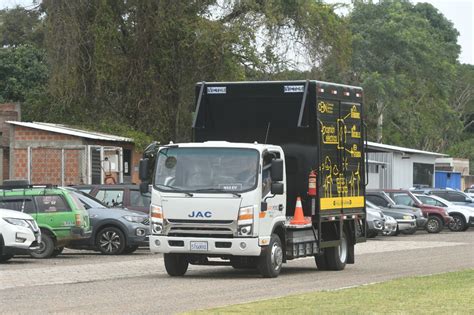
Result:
337,203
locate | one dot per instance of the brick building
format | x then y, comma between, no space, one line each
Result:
8,112
47,153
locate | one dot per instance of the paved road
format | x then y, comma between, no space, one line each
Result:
80,281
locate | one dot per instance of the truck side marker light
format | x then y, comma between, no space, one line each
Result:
262,215
334,92
299,218
358,95
321,90
347,93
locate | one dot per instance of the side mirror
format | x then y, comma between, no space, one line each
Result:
469,200
277,170
263,206
277,188
144,169
144,187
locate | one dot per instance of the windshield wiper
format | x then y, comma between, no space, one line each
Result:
176,189
218,190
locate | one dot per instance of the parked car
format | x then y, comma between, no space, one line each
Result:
59,214
437,216
454,196
18,233
375,222
381,199
114,231
463,217
405,221
121,195
469,192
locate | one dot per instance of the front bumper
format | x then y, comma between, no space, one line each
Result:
219,246
406,224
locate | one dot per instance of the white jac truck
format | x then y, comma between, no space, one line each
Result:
228,197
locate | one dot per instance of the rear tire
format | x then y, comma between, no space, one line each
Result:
57,251
458,224
130,249
5,257
176,264
336,257
46,247
321,262
271,259
434,224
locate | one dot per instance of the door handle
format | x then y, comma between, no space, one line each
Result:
280,207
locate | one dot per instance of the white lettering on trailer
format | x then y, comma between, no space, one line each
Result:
294,88
216,90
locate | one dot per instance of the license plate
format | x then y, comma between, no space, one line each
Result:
199,246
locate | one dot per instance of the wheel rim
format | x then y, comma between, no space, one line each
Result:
41,248
109,241
455,224
277,256
433,225
343,250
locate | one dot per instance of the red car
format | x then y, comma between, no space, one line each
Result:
437,217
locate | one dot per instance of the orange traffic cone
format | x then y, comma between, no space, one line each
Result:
299,218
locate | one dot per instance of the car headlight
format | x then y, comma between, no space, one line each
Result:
156,216
19,222
134,218
245,221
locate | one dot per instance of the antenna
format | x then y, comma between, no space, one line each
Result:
268,130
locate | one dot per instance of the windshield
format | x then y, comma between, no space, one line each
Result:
206,169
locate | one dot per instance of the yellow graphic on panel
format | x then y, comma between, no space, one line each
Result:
325,108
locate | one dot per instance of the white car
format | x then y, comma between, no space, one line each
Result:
463,216
18,233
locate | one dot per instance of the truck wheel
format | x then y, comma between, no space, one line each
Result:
5,257
336,257
458,224
176,264
57,251
46,247
271,259
110,241
321,261
434,224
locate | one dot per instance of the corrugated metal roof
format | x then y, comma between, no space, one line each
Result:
391,148
57,128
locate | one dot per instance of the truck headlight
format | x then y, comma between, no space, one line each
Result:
245,221
19,222
156,216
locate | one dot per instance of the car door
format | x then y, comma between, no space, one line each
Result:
54,213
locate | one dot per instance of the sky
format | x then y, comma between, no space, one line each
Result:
460,12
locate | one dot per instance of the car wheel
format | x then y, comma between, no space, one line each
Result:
458,223
271,259
129,249
336,257
176,265
46,247
110,241
434,224
5,257
57,251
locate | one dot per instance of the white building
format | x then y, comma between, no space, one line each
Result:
398,167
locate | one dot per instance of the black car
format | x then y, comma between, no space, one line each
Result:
114,230
119,196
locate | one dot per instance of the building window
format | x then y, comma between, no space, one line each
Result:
423,174
373,168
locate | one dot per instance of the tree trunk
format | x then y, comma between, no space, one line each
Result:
379,121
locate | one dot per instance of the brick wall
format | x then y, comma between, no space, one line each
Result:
20,160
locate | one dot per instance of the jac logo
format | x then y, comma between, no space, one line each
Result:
200,214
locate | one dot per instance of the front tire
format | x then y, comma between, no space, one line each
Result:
434,224
271,259
130,249
458,224
176,265
46,247
5,257
110,241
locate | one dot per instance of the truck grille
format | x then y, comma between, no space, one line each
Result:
190,228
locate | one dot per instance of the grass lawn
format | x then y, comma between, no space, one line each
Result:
449,293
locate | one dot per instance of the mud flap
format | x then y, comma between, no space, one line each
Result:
350,254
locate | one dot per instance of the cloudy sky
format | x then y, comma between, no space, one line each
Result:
460,12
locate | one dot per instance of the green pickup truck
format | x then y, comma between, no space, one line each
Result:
59,214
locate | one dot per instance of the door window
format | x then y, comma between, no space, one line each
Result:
52,203
25,205
378,201
112,198
456,197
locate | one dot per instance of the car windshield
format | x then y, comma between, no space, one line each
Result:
212,170
371,205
